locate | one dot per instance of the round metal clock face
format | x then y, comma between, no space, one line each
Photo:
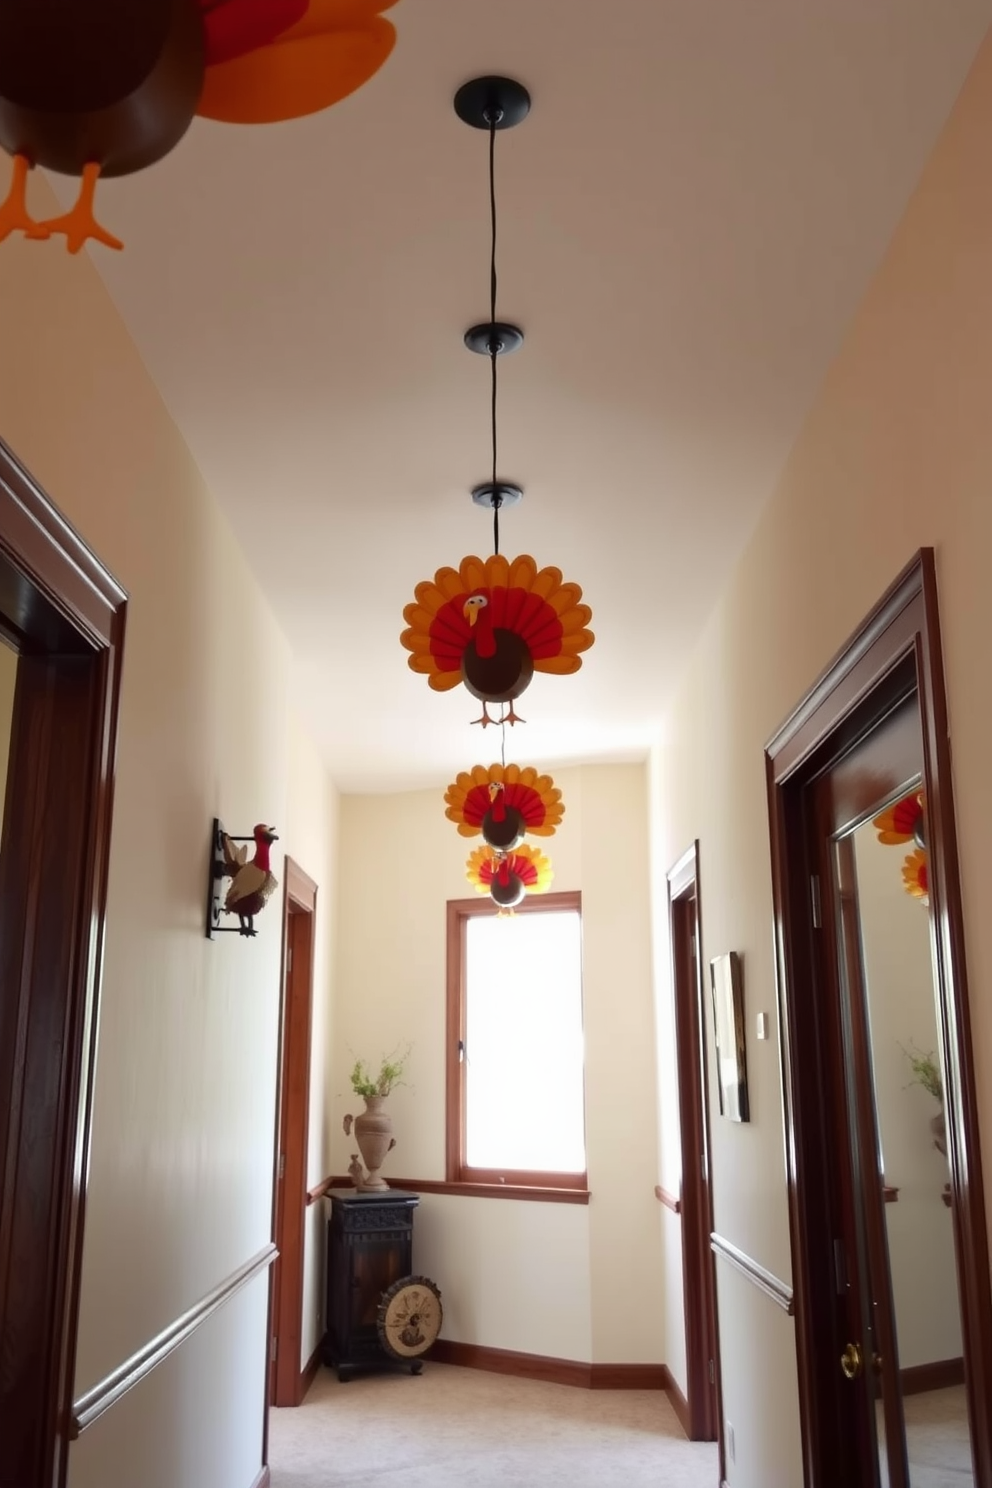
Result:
409,1317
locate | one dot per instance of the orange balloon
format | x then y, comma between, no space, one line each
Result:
306,69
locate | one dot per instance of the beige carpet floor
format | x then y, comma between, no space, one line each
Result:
938,1442
464,1428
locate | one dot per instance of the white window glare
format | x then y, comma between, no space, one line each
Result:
524,1042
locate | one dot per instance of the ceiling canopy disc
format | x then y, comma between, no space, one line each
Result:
486,101
497,494
494,336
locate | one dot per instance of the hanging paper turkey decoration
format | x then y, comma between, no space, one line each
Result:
491,623
504,804
906,822
903,822
914,875
507,877
108,87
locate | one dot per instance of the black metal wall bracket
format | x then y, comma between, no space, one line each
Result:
219,870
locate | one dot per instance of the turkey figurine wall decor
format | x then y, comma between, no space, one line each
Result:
503,803
107,87
252,880
490,624
508,877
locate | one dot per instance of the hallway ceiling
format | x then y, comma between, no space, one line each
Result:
688,220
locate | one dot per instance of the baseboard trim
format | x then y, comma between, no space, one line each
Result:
628,1376
918,1379
679,1403
553,1371
310,1372
264,1478
508,1361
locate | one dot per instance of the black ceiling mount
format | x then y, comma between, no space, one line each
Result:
486,102
495,495
494,336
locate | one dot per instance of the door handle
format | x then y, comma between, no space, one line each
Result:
852,1361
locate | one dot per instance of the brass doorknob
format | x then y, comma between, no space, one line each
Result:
852,1361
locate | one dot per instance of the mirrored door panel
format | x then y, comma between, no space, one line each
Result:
914,1363
8,679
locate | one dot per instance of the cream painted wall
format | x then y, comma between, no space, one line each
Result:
180,1182
895,942
896,453
560,1280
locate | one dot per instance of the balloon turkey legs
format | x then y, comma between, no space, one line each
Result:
510,717
14,215
79,224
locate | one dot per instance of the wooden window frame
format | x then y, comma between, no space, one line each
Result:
483,1182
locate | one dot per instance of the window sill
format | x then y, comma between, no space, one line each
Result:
521,1192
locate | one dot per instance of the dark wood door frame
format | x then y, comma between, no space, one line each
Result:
702,1351
292,1122
65,614
857,690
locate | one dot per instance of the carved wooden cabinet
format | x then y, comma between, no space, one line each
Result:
369,1246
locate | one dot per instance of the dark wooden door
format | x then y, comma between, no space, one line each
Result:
842,800
874,723
696,1202
286,1379
64,614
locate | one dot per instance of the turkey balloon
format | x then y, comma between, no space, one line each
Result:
914,875
108,87
490,624
504,803
905,821
508,877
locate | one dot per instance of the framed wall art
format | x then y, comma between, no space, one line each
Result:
728,1028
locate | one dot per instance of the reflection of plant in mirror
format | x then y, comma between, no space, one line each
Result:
926,1072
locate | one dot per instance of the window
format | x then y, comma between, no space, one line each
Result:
516,1108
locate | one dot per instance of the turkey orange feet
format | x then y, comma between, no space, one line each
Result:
14,215
79,225
510,717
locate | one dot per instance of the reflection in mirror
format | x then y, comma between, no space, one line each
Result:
890,861
8,676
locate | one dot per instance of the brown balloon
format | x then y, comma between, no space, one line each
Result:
503,835
504,675
108,82
507,895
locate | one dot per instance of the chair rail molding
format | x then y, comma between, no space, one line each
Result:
91,1406
779,1291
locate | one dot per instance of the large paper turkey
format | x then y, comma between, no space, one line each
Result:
507,877
491,623
504,803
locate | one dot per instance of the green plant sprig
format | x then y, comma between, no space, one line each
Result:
926,1072
390,1073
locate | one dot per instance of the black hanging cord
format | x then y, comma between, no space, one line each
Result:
494,115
